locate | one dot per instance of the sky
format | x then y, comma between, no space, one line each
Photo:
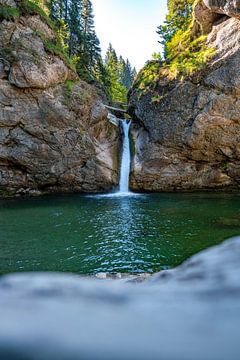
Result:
130,25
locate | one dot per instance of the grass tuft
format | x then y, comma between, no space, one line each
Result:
8,13
28,7
54,47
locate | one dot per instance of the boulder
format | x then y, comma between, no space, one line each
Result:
191,312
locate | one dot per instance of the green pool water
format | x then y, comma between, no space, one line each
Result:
90,234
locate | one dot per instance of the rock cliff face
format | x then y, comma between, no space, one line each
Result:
54,132
228,7
189,139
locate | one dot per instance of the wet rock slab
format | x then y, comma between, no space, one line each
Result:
191,312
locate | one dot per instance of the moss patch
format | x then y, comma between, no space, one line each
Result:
148,77
8,13
28,7
55,48
224,166
187,55
68,90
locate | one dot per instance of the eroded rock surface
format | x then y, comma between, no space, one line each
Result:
227,7
191,312
54,131
189,138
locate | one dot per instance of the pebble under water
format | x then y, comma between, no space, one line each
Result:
129,234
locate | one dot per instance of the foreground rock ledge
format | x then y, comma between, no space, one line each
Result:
191,312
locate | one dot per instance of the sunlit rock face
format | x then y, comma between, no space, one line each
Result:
191,312
189,139
54,131
227,7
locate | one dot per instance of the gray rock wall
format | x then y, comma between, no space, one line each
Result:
228,7
189,139
54,131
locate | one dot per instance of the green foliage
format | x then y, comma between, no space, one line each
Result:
68,90
119,74
77,44
55,48
84,73
28,7
184,53
224,166
157,98
148,77
126,73
188,56
178,18
76,30
69,86
157,56
8,13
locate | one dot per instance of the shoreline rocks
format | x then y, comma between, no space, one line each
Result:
190,312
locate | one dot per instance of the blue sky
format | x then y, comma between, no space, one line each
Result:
130,25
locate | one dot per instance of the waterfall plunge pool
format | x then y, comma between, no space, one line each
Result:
131,234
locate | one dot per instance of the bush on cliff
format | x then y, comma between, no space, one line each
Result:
185,52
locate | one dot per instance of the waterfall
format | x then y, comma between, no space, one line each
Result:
126,158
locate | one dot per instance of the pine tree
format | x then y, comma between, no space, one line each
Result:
178,17
126,73
74,26
120,75
75,22
117,91
90,51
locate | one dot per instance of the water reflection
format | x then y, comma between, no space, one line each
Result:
89,234
119,228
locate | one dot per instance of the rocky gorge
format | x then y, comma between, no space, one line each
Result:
54,131
56,136
186,132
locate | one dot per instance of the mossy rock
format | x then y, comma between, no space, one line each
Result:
8,13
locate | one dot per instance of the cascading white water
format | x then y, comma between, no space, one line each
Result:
126,158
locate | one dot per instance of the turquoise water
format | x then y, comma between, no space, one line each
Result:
90,234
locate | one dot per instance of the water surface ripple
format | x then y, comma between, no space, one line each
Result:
90,234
